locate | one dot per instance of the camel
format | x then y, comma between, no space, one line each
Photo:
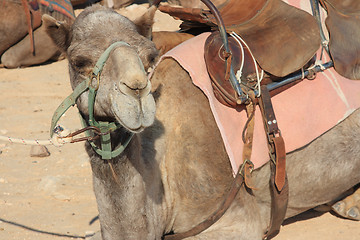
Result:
15,48
175,171
15,42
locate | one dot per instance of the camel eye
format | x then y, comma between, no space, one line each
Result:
81,62
153,58
150,60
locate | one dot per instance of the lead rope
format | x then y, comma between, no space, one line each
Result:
59,139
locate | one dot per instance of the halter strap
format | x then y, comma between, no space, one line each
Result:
105,127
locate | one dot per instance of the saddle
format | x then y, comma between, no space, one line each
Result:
281,37
344,29
216,65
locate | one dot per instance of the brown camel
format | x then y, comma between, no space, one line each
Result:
175,170
15,43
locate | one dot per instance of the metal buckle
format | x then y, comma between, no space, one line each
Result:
241,168
270,137
94,77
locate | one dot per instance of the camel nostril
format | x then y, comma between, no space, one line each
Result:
135,91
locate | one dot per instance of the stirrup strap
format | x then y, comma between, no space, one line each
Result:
279,187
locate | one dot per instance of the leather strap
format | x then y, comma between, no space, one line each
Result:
29,22
270,122
279,201
279,187
280,172
33,19
248,136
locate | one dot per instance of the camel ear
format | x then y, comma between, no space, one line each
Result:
145,22
58,31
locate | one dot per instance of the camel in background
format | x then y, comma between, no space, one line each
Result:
18,48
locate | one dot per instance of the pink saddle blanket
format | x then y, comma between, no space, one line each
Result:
304,111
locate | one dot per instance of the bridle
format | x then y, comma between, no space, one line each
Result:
100,128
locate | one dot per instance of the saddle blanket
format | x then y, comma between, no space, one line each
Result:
304,111
63,7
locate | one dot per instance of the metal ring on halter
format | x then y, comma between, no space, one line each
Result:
93,77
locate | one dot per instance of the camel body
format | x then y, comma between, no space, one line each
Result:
175,172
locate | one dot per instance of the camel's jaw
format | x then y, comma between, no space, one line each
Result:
134,113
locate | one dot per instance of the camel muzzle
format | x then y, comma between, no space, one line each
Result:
92,84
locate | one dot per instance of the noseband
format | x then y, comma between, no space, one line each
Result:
105,127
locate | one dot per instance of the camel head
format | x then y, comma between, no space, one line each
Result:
123,89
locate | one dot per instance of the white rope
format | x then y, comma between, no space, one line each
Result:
325,43
239,72
240,41
318,63
302,73
57,140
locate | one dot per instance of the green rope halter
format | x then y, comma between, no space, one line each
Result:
105,127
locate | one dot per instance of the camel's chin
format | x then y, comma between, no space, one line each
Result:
133,114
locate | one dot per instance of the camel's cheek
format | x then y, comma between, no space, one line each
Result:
134,114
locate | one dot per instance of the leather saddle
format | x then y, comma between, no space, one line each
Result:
281,37
242,62
343,24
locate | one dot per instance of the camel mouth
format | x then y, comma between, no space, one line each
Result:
133,130
132,112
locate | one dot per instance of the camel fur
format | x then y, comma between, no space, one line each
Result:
175,172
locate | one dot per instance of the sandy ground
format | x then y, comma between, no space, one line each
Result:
52,197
